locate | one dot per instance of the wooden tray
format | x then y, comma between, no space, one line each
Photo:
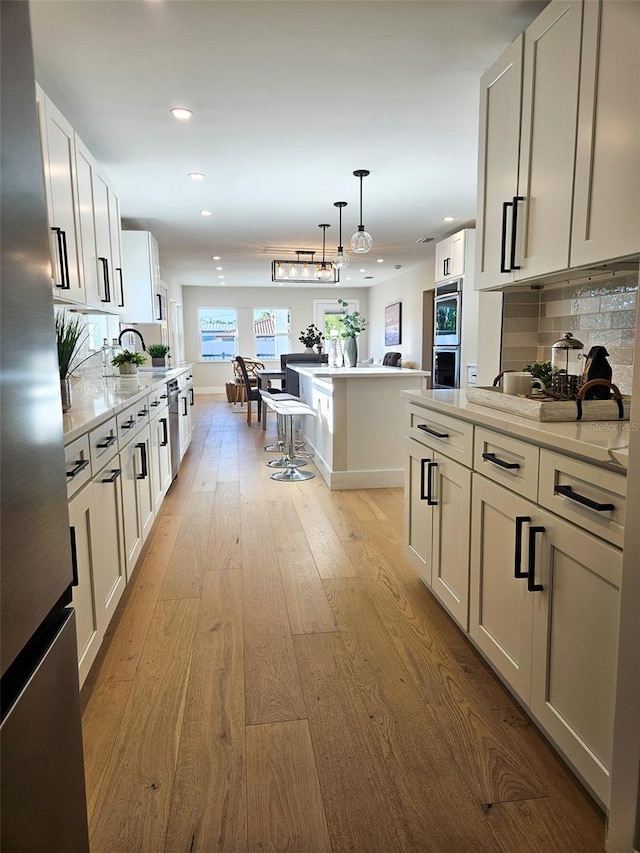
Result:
548,410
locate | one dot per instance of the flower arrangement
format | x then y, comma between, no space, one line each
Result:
71,333
352,321
311,337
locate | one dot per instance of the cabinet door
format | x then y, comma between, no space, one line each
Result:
107,542
144,481
575,646
456,255
88,634
107,285
132,524
184,419
547,139
451,491
498,145
443,257
60,188
160,458
418,512
606,219
116,251
501,611
84,177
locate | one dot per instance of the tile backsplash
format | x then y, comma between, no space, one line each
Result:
596,312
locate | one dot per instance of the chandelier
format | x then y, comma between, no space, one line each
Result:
302,270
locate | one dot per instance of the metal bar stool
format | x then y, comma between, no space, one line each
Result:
279,445
291,410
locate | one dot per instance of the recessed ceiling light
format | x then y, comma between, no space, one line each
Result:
181,113
196,176
216,257
220,276
348,278
380,260
218,268
448,219
362,270
206,213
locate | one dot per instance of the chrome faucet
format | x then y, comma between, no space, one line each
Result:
135,332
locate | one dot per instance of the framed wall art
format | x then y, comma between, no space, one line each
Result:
393,324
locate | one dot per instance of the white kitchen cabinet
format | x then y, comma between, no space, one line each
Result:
84,164
606,220
450,257
109,570
57,143
186,401
141,274
82,521
160,456
116,251
137,495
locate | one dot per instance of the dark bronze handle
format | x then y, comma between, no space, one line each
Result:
184,400
129,424
165,433
80,465
74,556
144,412
121,302
143,458
423,480
567,492
514,229
521,520
503,239
115,473
433,431
532,586
105,276
430,500
191,397
61,239
107,442
491,457
155,403
163,396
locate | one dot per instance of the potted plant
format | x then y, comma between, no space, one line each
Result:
158,353
128,362
312,337
352,324
71,333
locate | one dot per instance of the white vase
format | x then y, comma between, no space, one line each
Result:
350,350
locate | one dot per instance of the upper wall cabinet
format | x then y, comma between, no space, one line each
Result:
143,291
450,257
606,219
57,143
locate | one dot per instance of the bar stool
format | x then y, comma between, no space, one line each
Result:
281,445
278,445
291,410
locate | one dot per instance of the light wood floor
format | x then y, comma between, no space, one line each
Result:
277,679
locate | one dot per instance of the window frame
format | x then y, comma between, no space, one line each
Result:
225,357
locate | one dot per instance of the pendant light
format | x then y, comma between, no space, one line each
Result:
340,259
323,271
361,241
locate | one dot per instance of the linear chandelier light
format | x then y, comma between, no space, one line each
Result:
302,270
340,259
361,241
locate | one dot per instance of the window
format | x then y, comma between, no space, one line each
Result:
272,332
218,333
328,316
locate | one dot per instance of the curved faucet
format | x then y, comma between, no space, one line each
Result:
135,332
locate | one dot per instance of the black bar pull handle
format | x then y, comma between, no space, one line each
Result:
61,241
491,457
164,396
184,400
430,500
121,300
165,433
532,586
521,520
514,232
107,442
129,424
434,432
155,403
143,458
423,480
503,242
191,397
74,556
143,412
105,276
115,473
567,492
80,465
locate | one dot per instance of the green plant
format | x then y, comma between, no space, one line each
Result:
128,357
352,321
157,350
541,370
311,336
71,333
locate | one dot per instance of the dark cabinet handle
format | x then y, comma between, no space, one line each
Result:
491,457
129,424
159,298
434,432
105,276
164,396
107,442
80,465
143,458
423,480
514,232
521,520
184,400
74,556
115,473
143,413
532,586
121,301
567,492
155,403
191,397
165,433
61,240
503,242
430,500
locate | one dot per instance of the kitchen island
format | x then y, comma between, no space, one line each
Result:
357,437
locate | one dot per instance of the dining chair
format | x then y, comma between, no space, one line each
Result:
391,359
251,391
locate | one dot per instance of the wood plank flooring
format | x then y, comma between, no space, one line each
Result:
276,679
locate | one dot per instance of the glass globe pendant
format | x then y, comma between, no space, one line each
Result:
340,259
361,241
323,270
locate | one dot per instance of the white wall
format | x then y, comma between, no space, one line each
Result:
406,288
210,378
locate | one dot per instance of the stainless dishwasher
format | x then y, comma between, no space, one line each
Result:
174,437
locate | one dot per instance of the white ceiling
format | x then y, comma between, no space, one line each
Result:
288,99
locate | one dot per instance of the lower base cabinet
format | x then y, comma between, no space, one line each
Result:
137,496
109,567
544,612
82,520
160,458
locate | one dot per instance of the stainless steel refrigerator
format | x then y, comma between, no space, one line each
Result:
41,769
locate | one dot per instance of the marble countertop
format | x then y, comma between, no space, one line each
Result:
595,441
366,371
94,401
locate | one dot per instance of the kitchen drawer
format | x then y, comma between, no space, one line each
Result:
593,497
508,461
103,443
77,463
157,401
130,421
450,436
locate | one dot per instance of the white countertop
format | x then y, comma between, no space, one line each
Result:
366,371
93,401
596,441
